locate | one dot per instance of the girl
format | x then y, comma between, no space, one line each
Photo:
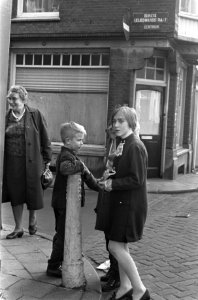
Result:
128,197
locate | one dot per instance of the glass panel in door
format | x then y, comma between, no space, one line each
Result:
149,110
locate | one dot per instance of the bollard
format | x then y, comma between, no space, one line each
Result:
73,266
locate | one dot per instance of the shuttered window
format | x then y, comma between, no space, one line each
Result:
63,72
56,79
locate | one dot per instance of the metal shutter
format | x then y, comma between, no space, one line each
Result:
59,79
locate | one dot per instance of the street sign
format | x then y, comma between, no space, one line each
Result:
126,24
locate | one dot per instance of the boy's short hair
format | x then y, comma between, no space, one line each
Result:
69,129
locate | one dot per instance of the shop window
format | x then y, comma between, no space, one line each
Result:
95,59
47,60
63,60
66,60
154,69
29,59
105,59
38,8
37,59
85,60
56,60
75,60
19,59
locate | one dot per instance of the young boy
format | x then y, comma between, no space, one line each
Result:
72,135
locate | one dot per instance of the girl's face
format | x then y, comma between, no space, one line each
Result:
15,102
121,126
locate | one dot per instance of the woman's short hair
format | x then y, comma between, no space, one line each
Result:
69,129
23,94
130,115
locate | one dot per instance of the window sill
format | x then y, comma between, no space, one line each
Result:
181,151
188,16
35,19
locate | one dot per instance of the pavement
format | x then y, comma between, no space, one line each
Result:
166,257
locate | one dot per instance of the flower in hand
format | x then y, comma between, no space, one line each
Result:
106,185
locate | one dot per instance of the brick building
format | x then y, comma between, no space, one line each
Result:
78,59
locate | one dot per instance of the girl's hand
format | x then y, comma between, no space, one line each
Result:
106,185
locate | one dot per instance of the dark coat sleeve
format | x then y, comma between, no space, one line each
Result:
91,181
41,125
69,165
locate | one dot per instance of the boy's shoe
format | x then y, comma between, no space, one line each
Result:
106,277
54,272
111,284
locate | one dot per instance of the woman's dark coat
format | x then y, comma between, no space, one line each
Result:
128,198
38,153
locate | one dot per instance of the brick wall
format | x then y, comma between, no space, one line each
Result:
93,17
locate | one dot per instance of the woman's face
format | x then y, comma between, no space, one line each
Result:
121,125
15,102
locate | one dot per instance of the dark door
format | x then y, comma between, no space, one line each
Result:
149,103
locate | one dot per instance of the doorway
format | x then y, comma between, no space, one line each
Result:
149,107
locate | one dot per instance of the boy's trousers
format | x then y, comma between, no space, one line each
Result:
56,258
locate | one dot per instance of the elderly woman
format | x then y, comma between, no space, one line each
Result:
128,202
27,154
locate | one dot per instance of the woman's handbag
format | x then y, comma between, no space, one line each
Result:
46,178
103,211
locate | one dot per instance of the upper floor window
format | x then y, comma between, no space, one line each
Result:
38,9
189,6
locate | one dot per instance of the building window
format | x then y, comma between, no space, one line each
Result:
154,69
38,9
63,60
189,6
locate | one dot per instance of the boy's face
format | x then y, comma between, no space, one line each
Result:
76,142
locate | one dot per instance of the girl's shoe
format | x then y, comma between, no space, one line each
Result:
126,296
14,235
32,229
146,296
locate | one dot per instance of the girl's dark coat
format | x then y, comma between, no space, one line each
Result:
38,153
128,198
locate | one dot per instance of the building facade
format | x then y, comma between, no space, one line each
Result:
78,59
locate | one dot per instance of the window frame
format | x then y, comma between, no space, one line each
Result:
181,94
34,15
147,81
101,56
190,11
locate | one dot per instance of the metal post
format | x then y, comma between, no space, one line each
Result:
73,266
5,22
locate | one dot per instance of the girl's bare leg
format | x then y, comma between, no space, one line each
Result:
129,276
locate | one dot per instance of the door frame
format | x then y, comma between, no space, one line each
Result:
163,119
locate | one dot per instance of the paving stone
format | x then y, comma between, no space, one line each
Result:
167,255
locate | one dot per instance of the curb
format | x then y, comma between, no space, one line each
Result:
181,191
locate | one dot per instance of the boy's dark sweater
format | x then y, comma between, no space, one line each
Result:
68,163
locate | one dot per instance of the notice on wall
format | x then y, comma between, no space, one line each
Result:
149,21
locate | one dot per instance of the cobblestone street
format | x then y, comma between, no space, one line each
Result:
167,256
